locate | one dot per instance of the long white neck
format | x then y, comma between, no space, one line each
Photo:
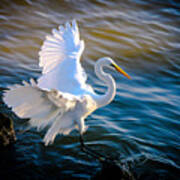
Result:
106,98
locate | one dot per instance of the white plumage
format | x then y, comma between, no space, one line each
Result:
61,99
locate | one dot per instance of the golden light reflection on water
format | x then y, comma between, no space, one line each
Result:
112,29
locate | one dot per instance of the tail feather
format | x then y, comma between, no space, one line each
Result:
61,125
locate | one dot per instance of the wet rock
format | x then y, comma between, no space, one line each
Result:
112,170
7,133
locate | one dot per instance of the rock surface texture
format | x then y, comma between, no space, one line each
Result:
7,133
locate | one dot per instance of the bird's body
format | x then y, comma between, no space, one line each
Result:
61,99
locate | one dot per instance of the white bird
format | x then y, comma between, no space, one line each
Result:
61,99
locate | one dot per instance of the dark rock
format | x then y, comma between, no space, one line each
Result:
112,170
7,133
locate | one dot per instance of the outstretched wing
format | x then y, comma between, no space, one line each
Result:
59,46
53,100
45,108
60,60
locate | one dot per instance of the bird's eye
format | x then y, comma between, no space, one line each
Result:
112,65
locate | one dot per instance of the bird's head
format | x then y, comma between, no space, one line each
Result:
108,62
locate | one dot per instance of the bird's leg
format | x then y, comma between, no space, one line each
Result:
91,152
87,150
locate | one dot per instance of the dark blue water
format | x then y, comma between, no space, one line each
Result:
141,127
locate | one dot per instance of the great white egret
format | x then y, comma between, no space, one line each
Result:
61,99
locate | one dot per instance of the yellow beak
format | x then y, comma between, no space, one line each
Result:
121,70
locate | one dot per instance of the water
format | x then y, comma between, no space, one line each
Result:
141,126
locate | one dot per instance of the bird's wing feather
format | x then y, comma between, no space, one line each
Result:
45,108
53,100
60,60
59,46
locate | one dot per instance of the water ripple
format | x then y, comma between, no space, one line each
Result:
143,38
